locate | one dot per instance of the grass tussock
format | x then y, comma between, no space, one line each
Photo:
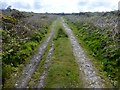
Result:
99,44
63,71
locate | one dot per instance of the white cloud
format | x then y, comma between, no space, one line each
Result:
59,6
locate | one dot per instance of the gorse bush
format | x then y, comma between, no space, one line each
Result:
8,22
61,33
37,37
102,44
21,32
26,51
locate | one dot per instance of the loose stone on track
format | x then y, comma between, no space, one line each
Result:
30,68
46,66
91,80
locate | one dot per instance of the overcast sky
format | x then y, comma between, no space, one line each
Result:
58,6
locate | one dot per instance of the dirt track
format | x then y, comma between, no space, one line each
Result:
91,80
41,82
34,62
89,74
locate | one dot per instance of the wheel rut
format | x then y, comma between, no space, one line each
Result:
90,78
89,74
30,68
41,81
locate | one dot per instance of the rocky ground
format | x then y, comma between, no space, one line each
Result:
87,69
32,66
85,65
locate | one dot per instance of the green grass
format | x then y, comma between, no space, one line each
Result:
97,63
37,73
34,80
15,72
63,71
20,41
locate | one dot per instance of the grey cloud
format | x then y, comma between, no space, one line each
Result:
100,4
119,5
94,4
82,3
20,5
37,5
3,5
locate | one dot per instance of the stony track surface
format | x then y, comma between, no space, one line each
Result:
87,69
41,82
33,64
91,80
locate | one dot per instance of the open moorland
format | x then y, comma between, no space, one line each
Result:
59,50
